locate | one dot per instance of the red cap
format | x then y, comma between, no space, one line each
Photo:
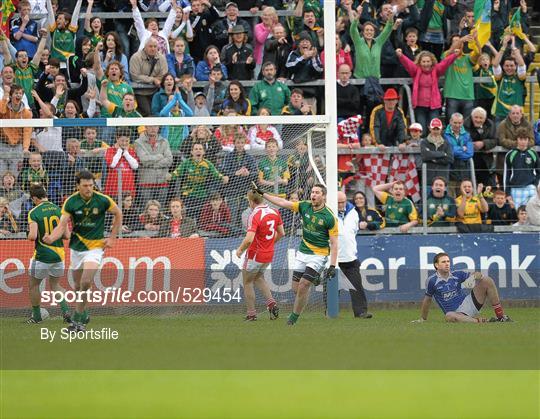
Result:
436,123
391,94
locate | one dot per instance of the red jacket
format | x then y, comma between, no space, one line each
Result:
211,220
128,174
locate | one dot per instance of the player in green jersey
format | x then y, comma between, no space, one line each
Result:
48,259
319,240
86,209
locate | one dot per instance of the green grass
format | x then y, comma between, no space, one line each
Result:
212,366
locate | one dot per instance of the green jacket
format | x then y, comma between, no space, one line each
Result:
368,60
272,96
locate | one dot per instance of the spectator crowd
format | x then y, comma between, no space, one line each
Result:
203,59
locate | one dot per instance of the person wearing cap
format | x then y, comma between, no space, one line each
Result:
224,26
436,153
413,140
387,122
462,147
203,15
269,92
237,55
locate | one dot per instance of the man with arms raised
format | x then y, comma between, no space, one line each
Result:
319,239
48,259
265,228
457,306
86,209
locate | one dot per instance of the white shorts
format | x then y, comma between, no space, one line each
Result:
467,307
78,258
252,266
42,270
315,262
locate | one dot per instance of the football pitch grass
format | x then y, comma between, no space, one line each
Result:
218,366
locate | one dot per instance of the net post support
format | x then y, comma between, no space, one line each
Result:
332,309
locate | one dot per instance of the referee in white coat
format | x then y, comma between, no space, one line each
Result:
347,255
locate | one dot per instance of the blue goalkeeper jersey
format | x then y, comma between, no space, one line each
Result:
447,292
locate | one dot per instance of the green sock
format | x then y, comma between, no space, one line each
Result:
64,306
293,317
77,317
84,316
36,313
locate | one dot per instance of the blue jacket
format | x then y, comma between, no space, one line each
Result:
187,66
202,71
457,143
178,133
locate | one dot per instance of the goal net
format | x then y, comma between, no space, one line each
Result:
181,184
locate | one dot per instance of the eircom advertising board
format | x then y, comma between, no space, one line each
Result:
394,268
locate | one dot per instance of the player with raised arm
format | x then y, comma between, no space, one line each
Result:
319,239
48,259
86,209
456,304
265,228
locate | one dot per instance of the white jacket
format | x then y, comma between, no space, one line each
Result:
144,34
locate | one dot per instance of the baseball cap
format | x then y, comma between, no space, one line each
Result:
435,123
199,94
416,126
231,3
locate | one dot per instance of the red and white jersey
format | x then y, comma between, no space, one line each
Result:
264,222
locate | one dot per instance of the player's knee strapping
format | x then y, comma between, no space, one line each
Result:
297,276
311,275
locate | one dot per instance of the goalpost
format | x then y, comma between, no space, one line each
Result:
195,272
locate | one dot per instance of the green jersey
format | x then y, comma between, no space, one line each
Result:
511,92
484,90
271,170
436,21
24,77
47,216
458,83
63,42
94,39
317,228
30,176
94,163
88,220
398,213
115,94
194,175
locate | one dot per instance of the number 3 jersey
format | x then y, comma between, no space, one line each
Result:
47,216
264,222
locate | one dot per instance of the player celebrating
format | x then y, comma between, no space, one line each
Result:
319,239
86,209
48,260
445,286
265,228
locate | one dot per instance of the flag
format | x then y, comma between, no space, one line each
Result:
374,168
404,168
515,24
6,10
482,23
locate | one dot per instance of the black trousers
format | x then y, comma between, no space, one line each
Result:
358,297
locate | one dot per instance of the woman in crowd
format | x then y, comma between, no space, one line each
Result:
426,71
113,51
152,218
179,62
236,100
370,219
262,31
211,59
